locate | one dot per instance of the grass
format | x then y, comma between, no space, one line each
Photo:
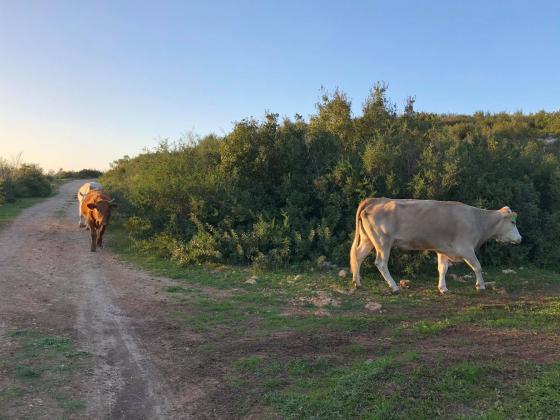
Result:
40,367
9,211
324,391
275,347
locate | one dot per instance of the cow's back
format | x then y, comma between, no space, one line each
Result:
92,197
87,187
421,224
95,186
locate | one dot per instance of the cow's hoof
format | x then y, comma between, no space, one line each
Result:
443,291
93,250
481,290
395,291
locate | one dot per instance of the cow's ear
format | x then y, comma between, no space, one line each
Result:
506,211
91,206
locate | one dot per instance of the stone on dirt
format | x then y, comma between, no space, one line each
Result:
252,280
322,312
373,306
320,300
405,284
342,273
509,271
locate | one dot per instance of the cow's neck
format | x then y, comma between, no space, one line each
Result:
488,222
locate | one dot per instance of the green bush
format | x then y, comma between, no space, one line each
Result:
26,180
29,181
81,174
277,191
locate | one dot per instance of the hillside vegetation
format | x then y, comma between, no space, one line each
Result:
22,181
275,192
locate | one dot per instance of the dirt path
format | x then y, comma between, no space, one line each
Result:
50,281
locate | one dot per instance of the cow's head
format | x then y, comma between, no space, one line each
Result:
101,211
507,227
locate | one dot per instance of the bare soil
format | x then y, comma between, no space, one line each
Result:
51,282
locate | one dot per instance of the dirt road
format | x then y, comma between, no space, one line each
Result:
51,282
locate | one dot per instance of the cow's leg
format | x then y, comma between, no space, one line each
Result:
358,253
474,264
100,237
93,238
381,262
80,215
382,246
443,264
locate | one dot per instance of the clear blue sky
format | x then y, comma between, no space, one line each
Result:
83,83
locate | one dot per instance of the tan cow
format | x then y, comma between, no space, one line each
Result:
82,192
96,207
452,230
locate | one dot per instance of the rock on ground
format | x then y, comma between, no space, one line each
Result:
373,306
405,284
251,280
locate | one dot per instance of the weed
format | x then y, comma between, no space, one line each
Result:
27,372
9,211
41,365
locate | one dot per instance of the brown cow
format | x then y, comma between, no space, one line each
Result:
82,192
96,208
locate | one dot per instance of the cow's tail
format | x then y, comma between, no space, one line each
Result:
353,250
